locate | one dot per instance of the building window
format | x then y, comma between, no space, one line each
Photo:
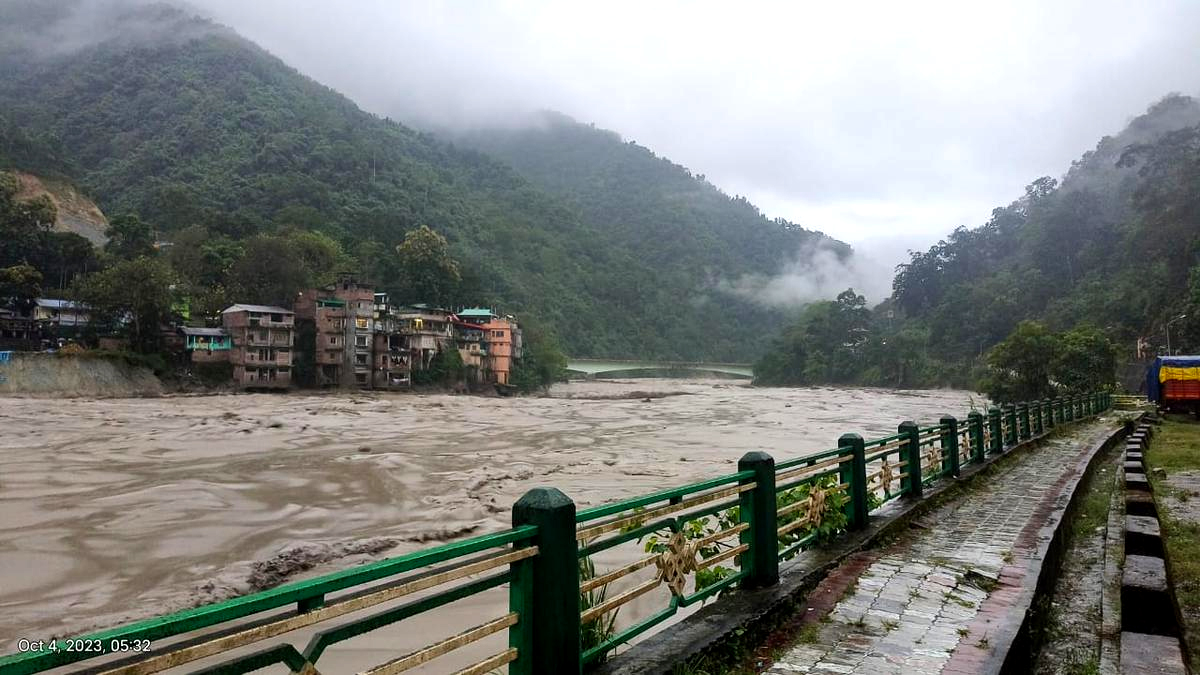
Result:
360,323
332,340
360,340
498,333
360,359
361,378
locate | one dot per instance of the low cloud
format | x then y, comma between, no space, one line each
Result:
69,26
816,273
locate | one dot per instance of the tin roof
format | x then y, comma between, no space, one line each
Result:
263,309
54,303
477,312
204,332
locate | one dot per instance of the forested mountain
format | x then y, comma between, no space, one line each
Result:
692,235
1114,246
220,145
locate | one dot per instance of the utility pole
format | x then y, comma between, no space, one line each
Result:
1168,329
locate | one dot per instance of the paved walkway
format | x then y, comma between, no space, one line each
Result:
926,603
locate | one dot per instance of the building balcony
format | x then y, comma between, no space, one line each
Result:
288,322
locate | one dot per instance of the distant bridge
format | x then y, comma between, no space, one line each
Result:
593,367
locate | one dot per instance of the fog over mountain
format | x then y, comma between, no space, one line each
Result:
893,121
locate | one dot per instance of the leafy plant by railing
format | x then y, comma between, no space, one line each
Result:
600,630
832,518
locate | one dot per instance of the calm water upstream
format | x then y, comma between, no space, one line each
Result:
112,510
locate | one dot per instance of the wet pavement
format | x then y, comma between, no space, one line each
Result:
934,601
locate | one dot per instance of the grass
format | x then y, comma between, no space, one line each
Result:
1093,510
949,595
809,634
1176,448
1087,665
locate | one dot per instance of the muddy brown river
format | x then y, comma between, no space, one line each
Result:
118,509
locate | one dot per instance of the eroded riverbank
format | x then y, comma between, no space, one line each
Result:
117,509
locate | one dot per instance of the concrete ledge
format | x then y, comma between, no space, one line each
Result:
1143,525
1141,504
1143,654
1144,573
1014,646
1136,481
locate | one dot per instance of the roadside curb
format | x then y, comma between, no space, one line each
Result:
1015,643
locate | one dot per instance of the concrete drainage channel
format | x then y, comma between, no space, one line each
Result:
1150,633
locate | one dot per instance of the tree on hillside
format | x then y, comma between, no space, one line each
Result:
827,344
1086,361
129,237
132,297
1033,363
427,272
19,285
22,222
543,362
1020,366
272,268
269,272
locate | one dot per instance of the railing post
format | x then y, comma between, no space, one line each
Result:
856,476
949,425
1010,418
1048,409
1035,418
975,428
553,621
994,429
912,483
1023,423
757,508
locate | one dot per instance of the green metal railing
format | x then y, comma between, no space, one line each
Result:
697,541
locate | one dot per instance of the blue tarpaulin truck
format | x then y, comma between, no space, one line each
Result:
1173,382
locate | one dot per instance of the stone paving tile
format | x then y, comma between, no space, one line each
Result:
913,607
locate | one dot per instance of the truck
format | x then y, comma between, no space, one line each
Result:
1173,382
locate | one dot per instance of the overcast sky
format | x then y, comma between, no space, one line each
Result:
883,124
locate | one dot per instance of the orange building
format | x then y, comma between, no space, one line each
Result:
498,338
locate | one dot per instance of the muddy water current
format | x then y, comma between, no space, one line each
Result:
119,509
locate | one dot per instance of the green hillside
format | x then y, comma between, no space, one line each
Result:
1114,245
209,138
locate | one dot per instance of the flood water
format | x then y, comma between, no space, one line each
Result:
112,510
